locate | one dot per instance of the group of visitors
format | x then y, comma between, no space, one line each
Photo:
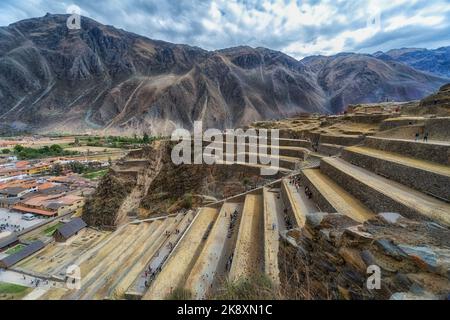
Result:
6,226
295,181
233,218
150,275
425,136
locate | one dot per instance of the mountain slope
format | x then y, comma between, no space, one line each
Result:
104,79
435,61
357,78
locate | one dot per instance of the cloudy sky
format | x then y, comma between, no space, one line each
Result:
298,28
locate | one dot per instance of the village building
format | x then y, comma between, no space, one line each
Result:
29,250
8,242
69,229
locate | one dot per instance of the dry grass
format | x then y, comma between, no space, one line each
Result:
257,287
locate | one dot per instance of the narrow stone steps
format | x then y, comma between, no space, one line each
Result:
337,197
272,228
119,287
294,204
248,257
181,261
384,195
98,289
158,245
202,275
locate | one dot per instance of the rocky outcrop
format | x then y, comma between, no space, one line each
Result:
121,190
332,258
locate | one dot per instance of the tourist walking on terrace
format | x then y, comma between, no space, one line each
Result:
417,136
425,137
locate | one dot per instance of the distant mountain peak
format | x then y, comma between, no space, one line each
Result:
107,80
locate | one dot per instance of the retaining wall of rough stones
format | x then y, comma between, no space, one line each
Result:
317,197
372,199
426,151
343,140
425,181
394,123
367,118
329,149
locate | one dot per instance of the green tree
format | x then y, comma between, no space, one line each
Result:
56,148
57,169
6,151
146,138
18,148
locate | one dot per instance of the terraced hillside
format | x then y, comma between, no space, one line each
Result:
310,232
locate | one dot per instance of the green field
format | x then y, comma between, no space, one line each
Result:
50,230
15,249
9,291
95,175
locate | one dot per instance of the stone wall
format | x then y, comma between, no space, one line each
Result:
329,259
426,151
399,122
329,149
317,197
425,181
374,200
343,140
367,118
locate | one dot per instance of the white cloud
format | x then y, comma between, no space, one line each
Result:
297,27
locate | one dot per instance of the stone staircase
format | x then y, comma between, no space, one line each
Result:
239,237
242,242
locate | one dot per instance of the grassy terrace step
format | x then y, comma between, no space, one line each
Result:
248,255
104,286
284,141
297,209
383,195
123,282
341,139
428,177
183,258
164,249
135,263
332,197
104,267
281,170
434,151
271,235
205,268
288,151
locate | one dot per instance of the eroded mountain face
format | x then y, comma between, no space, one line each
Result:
102,79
